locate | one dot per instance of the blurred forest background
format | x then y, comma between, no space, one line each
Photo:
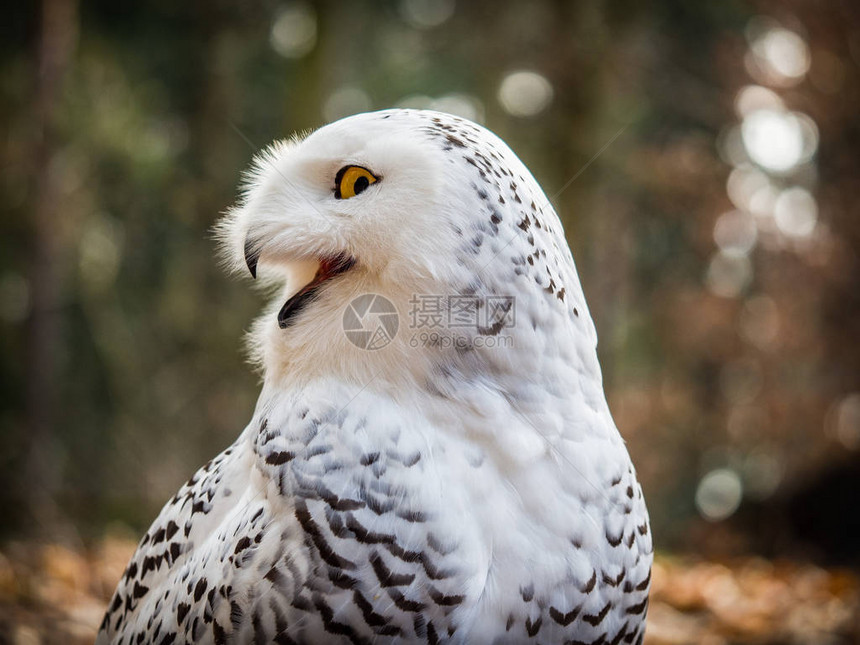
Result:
714,220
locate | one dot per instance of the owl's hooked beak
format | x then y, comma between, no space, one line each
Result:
329,267
252,256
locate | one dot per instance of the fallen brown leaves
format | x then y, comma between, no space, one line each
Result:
54,594
753,601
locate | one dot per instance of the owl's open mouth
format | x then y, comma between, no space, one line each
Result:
328,269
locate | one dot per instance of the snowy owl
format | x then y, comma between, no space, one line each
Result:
461,482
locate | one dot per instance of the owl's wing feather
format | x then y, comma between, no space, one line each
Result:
308,527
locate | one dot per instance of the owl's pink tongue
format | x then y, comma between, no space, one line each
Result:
329,268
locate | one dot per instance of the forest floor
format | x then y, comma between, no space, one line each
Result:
54,594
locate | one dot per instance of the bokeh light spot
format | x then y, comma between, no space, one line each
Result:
294,31
848,421
796,212
735,233
425,14
345,101
525,93
755,97
719,494
743,183
463,105
781,54
728,275
773,139
100,253
763,473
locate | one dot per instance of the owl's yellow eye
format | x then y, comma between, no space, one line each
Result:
352,180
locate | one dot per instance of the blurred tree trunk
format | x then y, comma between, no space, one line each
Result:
56,45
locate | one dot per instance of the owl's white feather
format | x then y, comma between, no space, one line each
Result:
466,487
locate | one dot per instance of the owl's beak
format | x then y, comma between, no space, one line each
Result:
322,270
252,256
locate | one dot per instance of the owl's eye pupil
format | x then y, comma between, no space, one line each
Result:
352,180
360,184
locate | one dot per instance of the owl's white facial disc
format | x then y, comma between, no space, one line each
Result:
433,204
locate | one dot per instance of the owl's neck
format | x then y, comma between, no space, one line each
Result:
537,376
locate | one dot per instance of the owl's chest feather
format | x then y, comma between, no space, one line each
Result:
408,526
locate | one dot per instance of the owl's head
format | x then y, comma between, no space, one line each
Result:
420,207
